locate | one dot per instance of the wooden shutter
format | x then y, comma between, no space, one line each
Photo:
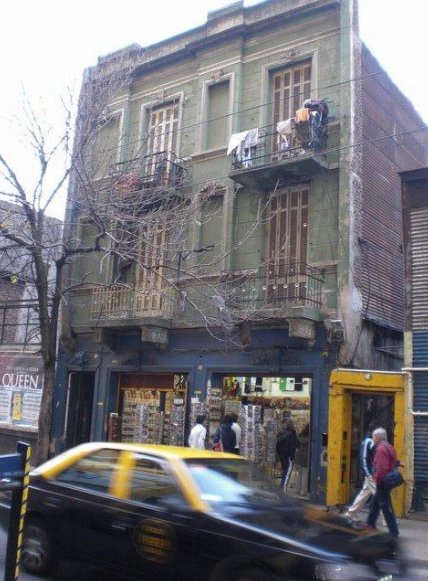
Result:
290,88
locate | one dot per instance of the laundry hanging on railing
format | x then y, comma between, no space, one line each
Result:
244,146
285,134
310,123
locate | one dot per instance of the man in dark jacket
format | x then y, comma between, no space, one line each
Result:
384,461
286,446
226,435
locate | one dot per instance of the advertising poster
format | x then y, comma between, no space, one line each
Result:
21,385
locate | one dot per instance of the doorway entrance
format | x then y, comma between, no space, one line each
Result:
367,408
355,399
78,418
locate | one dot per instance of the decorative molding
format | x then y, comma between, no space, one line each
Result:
217,75
288,55
161,96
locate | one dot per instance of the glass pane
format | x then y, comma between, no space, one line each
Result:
93,471
151,484
225,482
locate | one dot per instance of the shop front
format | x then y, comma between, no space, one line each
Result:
154,395
151,408
261,402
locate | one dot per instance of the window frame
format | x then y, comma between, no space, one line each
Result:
202,137
270,69
145,110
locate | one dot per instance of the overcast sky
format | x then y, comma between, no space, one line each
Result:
46,44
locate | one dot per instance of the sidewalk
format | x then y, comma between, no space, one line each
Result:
414,536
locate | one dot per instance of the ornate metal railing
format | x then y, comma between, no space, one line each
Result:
271,146
281,286
161,169
119,302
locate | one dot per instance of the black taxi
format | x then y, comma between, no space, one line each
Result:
160,512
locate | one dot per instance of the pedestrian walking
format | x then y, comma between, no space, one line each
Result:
301,462
384,461
225,436
286,446
237,429
366,463
198,433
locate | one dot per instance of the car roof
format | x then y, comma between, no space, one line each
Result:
165,452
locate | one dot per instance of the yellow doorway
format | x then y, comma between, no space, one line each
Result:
346,387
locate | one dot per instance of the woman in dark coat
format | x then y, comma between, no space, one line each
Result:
226,435
302,462
286,446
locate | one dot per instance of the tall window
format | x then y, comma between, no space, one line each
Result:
211,232
162,125
288,230
162,132
290,88
217,120
153,260
103,151
88,264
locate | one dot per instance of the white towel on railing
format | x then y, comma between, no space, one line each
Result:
244,139
235,140
285,132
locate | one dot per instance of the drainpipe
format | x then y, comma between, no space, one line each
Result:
409,372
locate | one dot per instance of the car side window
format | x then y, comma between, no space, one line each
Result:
93,472
150,483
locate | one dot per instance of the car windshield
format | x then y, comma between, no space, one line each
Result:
232,482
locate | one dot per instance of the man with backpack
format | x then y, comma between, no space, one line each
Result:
384,462
286,446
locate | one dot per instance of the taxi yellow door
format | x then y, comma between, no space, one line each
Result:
344,384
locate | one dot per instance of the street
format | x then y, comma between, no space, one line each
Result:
414,534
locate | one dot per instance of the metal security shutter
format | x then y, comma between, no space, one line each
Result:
420,403
420,349
419,258
421,449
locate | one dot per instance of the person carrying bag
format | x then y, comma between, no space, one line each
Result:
385,472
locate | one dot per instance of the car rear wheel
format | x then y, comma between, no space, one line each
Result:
37,553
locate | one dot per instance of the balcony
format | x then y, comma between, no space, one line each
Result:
119,306
299,152
293,290
157,171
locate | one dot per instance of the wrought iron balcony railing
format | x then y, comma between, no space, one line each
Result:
299,141
119,302
282,286
161,169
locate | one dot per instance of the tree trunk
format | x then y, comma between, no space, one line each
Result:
43,439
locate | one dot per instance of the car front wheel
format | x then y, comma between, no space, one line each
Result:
37,552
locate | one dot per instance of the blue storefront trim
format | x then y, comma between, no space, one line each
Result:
204,359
